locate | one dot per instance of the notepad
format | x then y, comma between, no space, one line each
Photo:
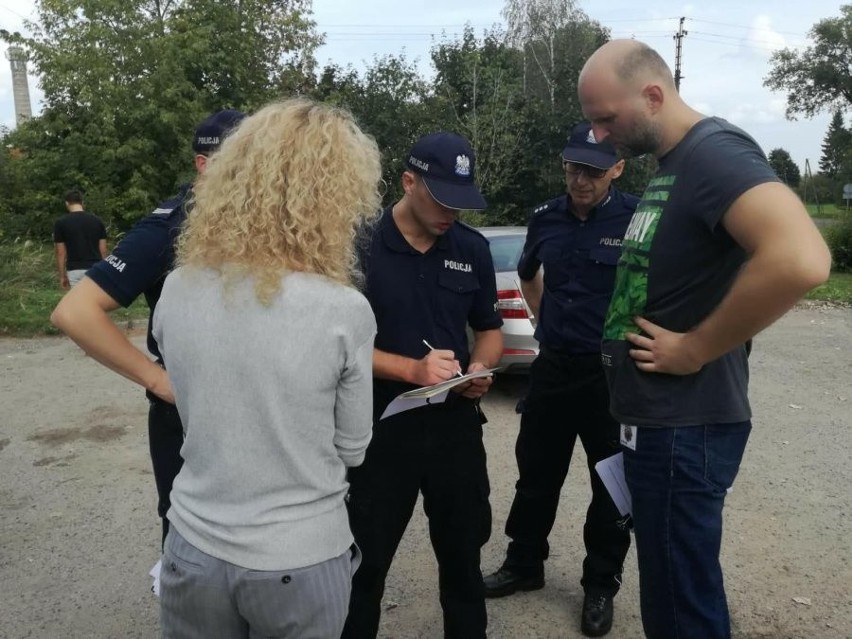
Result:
430,395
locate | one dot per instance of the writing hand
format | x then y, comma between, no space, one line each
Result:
437,366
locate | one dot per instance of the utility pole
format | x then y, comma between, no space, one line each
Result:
678,51
809,180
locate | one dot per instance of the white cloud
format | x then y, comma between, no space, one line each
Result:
763,113
762,38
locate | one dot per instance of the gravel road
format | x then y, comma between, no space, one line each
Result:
79,528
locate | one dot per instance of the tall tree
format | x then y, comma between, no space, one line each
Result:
478,92
125,82
389,102
835,147
819,77
555,37
784,167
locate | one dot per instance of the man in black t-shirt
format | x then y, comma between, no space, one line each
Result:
717,250
80,241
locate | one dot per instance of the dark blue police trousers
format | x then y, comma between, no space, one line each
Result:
567,398
165,438
678,479
436,450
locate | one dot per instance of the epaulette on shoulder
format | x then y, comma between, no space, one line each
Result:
470,228
167,207
550,205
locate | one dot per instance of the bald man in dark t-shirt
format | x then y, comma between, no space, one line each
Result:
717,250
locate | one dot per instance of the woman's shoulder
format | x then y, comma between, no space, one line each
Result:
331,293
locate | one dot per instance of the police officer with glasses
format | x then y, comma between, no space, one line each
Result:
567,272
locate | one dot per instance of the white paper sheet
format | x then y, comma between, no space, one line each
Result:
429,391
611,472
402,403
155,574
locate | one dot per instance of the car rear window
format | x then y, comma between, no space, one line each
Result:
506,251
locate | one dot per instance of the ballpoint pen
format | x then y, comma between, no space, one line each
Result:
432,348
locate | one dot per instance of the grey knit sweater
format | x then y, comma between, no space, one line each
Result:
276,403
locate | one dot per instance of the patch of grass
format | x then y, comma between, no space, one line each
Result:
837,290
827,211
29,291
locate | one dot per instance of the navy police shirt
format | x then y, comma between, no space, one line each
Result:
430,296
142,259
579,259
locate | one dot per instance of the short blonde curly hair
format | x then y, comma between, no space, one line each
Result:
285,192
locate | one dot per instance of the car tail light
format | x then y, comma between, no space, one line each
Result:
511,304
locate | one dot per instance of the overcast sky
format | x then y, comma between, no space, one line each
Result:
725,53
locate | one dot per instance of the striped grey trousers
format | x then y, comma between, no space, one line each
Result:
206,598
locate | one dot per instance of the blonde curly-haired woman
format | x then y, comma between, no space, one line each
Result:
268,345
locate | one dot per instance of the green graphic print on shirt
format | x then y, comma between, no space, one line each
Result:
630,296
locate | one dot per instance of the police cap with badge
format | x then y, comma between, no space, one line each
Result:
583,148
446,163
211,132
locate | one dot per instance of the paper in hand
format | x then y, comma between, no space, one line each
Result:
611,471
429,391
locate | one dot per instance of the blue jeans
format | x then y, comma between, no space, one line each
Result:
678,478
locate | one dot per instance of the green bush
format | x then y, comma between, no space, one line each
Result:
839,238
29,290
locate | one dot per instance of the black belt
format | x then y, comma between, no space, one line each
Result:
549,351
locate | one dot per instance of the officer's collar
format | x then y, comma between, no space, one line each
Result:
597,207
396,241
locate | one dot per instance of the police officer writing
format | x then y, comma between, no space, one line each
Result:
139,265
427,277
576,238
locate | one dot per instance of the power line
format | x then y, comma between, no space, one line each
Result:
20,15
345,34
740,26
735,38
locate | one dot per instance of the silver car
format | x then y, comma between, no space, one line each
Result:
520,348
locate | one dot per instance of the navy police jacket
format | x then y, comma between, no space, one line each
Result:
142,259
430,296
579,259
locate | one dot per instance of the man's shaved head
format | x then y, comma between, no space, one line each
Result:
627,92
630,61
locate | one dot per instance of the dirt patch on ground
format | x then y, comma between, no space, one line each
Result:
58,436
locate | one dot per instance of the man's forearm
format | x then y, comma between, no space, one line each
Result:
487,348
392,366
93,330
60,261
532,291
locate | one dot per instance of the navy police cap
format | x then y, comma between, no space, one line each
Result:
446,163
582,148
211,132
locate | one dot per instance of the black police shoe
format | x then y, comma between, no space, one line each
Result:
597,615
507,582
